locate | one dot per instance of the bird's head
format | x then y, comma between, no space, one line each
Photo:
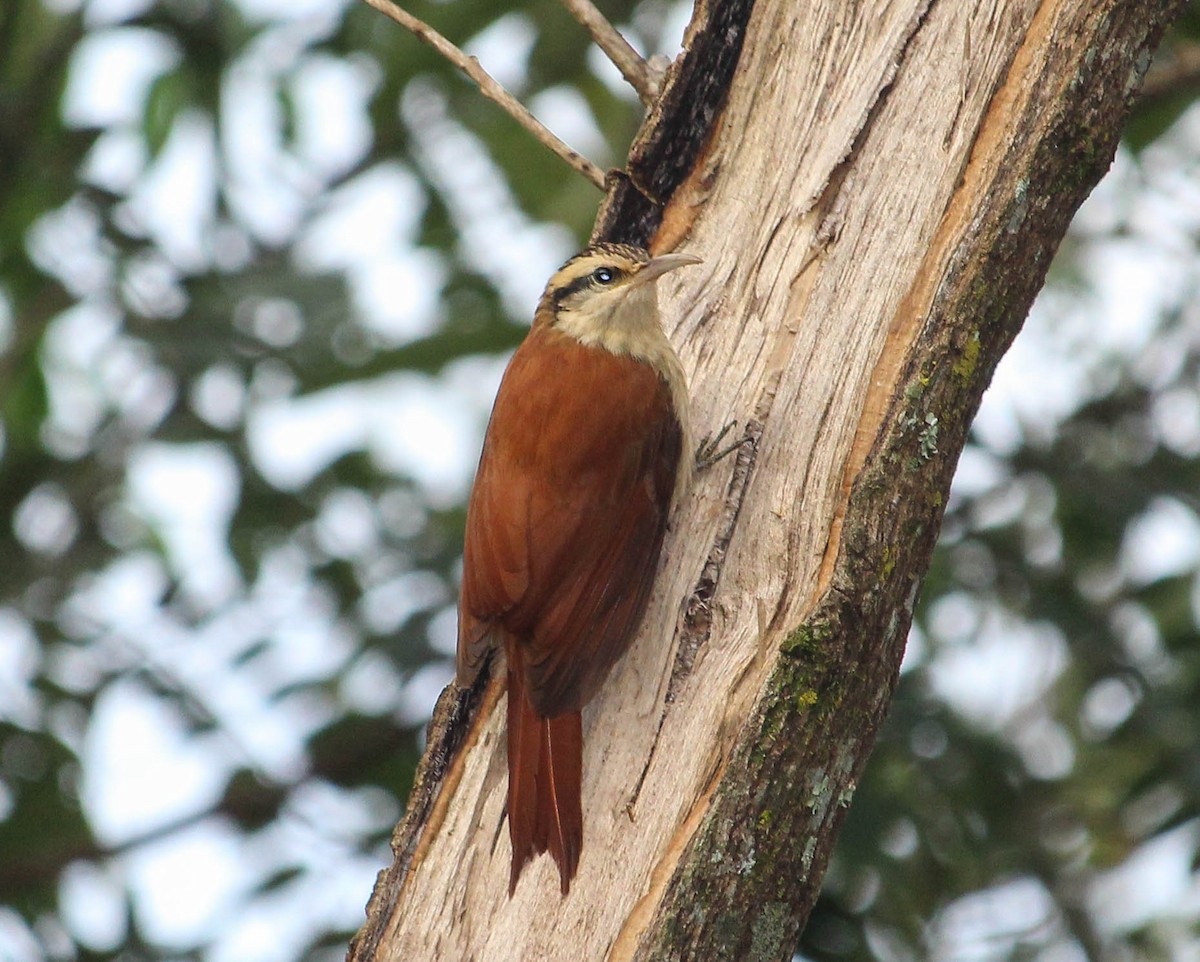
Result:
605,285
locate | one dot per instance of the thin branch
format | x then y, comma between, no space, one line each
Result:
642,75
489,88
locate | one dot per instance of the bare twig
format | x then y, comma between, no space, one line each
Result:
489,88
642,75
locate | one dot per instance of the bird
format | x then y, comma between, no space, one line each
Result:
580,468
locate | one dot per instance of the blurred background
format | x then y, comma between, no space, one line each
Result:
261,264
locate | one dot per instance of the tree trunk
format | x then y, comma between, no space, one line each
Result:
877,189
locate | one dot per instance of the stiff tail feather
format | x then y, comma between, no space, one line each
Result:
545,766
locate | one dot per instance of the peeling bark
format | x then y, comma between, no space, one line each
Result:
877,189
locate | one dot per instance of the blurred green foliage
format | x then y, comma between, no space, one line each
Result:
122,336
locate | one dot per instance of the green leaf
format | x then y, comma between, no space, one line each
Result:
168,96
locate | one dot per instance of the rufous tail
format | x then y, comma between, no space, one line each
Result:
545,766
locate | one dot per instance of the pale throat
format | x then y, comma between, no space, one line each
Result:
620,322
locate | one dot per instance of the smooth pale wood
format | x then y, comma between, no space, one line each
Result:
839,160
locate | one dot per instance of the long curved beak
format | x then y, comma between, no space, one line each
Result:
657,266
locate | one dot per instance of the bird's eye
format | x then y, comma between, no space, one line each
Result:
603,275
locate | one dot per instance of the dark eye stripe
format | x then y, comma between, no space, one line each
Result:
573,287
584,282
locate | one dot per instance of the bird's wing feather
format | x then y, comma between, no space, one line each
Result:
567,515
592,611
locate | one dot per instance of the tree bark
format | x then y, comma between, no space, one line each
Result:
877,189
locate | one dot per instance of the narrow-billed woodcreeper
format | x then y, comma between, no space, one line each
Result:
580,467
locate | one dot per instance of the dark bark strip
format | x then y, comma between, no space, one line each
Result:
748,879
676,130
448,730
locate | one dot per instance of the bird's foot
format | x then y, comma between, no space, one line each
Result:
710,451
